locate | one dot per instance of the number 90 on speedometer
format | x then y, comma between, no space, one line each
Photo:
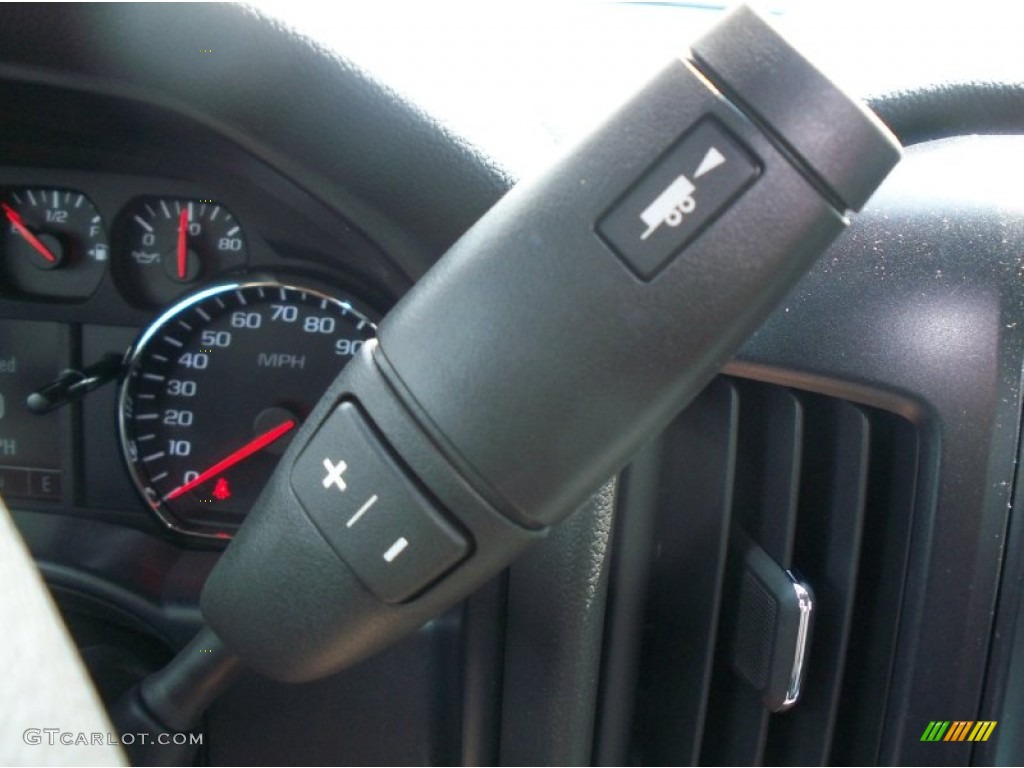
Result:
216,388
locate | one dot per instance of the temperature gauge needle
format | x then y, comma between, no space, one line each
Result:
35,242
182,243
241,454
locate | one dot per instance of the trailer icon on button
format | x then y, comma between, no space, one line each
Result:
681,193
669,207
675,202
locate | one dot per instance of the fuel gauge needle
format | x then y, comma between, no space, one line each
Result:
15,218
247,450
182,243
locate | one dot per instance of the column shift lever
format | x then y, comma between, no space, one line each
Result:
563,331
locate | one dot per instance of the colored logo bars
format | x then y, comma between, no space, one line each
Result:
958,730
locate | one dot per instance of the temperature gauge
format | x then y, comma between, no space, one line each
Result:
54,244
170,245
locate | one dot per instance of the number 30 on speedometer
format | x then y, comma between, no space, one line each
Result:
216,388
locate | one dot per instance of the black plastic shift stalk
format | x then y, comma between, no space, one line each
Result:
562,332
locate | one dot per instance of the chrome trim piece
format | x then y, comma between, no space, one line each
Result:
805,603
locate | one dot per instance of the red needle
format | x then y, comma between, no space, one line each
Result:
182,245
19,225
242,453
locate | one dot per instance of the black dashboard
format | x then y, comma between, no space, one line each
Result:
868,433
126,582
65,473
115,231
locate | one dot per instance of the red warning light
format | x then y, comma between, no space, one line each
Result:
221,491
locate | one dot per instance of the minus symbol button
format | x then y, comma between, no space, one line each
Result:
396,549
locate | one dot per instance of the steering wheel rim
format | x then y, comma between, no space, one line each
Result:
58,717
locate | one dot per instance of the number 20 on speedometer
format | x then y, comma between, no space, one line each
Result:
216,388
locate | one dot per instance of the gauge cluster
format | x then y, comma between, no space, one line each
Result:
56,246
232,310
215,388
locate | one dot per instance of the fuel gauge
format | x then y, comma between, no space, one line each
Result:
171,245
54,244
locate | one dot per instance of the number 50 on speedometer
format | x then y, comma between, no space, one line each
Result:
216,388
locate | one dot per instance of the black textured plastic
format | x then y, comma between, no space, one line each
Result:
556,606
370,512
602,360
340,129
881,274
844,144
306,613
755,632
603,363
941,110
689,704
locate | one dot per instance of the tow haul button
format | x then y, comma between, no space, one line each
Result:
684,191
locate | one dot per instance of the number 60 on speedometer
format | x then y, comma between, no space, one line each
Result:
216,388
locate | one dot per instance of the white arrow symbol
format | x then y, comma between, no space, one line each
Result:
712,159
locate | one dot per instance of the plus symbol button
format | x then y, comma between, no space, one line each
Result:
334,474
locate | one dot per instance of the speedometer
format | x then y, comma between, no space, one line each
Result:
216,388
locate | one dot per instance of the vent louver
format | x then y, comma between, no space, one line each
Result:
824,486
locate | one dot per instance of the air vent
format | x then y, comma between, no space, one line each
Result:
825,487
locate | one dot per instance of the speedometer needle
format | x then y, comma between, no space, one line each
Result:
182,244
35,242
242,453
